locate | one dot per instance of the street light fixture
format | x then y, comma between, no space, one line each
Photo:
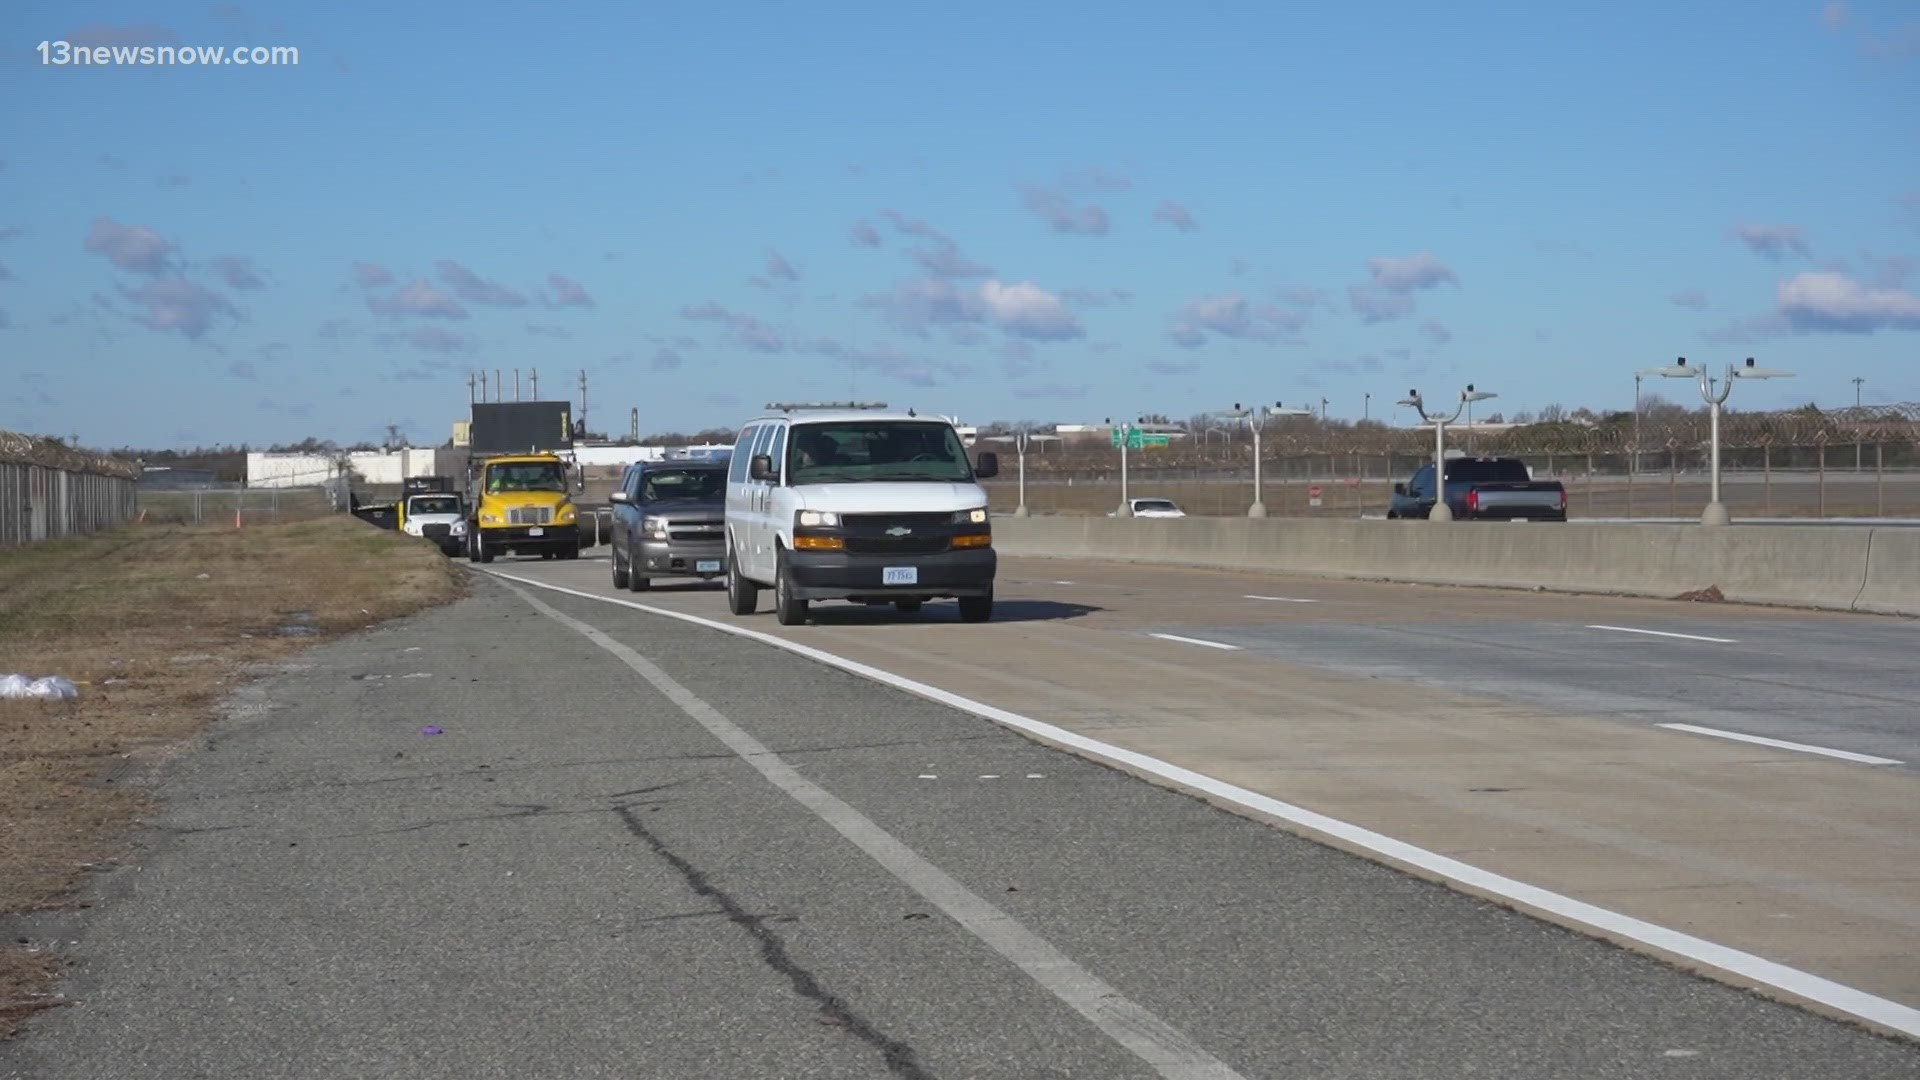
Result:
1253,416
1714,392
1441,512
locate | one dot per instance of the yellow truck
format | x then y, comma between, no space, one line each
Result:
520,482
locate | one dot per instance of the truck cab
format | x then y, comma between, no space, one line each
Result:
857,504
521,506
1481,489
435,516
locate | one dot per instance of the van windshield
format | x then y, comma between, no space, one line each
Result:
877,450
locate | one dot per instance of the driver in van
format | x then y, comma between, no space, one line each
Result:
812,448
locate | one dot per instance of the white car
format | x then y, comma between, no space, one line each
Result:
864,505
1151,508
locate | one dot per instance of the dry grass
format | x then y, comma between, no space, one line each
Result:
155,623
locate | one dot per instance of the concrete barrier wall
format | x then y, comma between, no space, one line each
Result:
1837,567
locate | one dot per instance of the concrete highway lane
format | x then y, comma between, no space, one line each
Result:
638,847
1516,733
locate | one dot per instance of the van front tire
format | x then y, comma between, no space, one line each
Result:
976,608
788,608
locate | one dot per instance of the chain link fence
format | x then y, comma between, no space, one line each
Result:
1849,463
49,491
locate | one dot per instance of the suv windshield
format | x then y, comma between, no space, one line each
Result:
876,450
683,485
526,476
1499,470
436,504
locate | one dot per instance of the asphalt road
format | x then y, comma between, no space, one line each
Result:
1805,854
642,848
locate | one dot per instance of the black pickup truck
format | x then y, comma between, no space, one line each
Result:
1482,489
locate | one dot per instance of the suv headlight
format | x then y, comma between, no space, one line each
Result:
975,516
811,518
655,528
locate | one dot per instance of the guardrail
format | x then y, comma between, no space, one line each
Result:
1842,568
48,491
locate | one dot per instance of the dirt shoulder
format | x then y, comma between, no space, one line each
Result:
154,625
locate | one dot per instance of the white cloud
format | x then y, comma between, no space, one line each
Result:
1690,298
469,286
418,297
1830,300
1773,242
864,235
1175,215
129,247
1390,294
1029,311
1232,315
1060,214
174,303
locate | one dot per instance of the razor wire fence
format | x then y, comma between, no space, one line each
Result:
50,491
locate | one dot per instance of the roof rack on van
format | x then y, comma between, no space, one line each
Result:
792,406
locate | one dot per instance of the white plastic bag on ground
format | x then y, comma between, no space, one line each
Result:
52,686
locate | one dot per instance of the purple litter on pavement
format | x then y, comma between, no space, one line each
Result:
429,730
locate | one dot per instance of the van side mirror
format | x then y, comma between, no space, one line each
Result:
761,467
619,497
987,466
1399,489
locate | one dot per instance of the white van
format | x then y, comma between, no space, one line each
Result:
857,504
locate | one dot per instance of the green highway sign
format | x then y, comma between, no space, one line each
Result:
1152,441
1135,439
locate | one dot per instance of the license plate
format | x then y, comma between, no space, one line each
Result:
536,531
900,575
706,566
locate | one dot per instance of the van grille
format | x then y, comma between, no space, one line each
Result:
888,521
897,545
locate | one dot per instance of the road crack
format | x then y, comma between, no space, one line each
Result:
900,1058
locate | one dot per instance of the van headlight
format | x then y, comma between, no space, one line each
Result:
975,516
817,518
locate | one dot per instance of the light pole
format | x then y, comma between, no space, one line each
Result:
1441,512
1857,380
1633,461
1366,408
1714,392
1253,417
1020,448
1125,433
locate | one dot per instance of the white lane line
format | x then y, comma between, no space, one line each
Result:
1196,641
1664,633
1782,744
1168,1050
1802,984
1280,599
1063,583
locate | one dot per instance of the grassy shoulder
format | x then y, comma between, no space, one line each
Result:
154,624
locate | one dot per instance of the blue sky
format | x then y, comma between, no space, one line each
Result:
1004,211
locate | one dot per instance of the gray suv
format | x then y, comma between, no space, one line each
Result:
669,521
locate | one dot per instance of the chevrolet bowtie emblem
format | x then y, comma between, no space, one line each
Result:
898,530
